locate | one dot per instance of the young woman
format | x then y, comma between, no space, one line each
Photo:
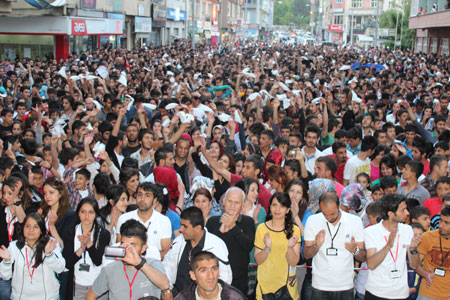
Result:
277,178
117,204
277,249
129,178
387,168
299,198
162,205
60,220
375,174
84,250
203,200
32,262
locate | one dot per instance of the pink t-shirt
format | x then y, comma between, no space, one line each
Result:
374,173
339,188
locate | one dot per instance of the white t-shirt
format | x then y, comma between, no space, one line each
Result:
380,282
354,166
158,226
311,161
334,273
84,278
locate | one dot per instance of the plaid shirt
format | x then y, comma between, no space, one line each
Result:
74,195
430,185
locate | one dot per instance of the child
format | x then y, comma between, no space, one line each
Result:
442,189
377,192
421,215
78,185
364,180
389,185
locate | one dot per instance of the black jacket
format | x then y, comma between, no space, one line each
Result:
228,292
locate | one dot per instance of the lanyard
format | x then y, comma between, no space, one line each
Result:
128,279
28,265
442,252
84,256
396,251
11,231
335,234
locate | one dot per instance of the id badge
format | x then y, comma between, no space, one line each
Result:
332,251
84,267
394,274
439,272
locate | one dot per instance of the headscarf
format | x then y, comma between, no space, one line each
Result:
168,176
317,187
275,157
353,197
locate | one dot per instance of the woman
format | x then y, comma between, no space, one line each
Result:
117,205
375,162
129,179
277,249
84,250
203,200
299,198
239,160
387,168
277,179
161,204
32,262
60,219
157,129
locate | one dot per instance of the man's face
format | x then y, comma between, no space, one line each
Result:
233,203
311,139
341,155
144,199
390,133
8,118
89,104
293,141
264,141
442,189
168,162
132,133
182,149
21,110
401,215
407,173
187,230
283,149
367,121
330,211
147,141
382,139
320,170
285,132
249,170
424,220
444,103
354,143
444,226
390,190
26,94
443,168
206,275
440,127
417,155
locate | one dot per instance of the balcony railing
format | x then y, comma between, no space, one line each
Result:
430,20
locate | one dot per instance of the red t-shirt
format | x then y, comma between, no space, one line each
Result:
264,194
426,168
339,174
434,205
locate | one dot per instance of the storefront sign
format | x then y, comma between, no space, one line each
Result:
79,27
336,28
143,25
88,4
214,10
176,14
207,25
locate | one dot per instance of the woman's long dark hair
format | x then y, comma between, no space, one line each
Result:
24,193
283,199
113,193
303,204
96,226
64,205
41,242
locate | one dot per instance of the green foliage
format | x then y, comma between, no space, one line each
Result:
291,11
388,19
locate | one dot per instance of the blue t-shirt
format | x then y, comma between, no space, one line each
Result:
174,220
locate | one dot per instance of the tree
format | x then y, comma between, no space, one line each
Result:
291,11
388,19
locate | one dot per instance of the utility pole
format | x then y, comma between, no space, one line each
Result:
377,20
192,25
396,28
351,29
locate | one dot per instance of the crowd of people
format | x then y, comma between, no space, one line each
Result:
225,172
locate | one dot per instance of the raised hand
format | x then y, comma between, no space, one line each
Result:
4,254
51,245
292,241
415,241
392,237
52,218
351,246
131,256
320,238
267,240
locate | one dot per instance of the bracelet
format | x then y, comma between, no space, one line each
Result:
266,250
166,291
413,252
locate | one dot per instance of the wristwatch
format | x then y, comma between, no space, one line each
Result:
356,252
141,264
166,291
18,203
413,252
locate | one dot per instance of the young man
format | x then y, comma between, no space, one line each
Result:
388,243
389,129
354,136
438,169
435,204
7,118
158,226
389,185
78,187
143,156
421,215
192,240
238,233
325,168
333,238
146,277
265,142
360,163
206,283
412,188
310,151
117,141
410,134
433,252
133,144
340,154
419,153
181,160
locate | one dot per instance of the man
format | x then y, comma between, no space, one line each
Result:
419,153
310,151
411,188
340,153
333,238
163,158
238,233
410,134
438,169
360,163
434,205
389,184
325,168
354,136
265,142
434,254
7,118
181,160
151,281
207,285
387,244
117,141
367,125
78,132
158,226
381,137
133,144
143,155
193,239
389,128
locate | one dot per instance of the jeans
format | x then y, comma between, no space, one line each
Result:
332,295
5,289
307,289
63,280
370,296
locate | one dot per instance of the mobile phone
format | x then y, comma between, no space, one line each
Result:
114,251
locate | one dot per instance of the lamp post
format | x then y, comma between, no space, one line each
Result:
377,20
192,25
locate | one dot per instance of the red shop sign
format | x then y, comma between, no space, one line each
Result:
338,28
79,27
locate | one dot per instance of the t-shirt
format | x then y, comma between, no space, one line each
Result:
355,166
339,174
434,258
310,161
273,272
113,279
434,205
334,273
380,282
158,226
174,220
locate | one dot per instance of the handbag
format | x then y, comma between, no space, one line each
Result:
281,294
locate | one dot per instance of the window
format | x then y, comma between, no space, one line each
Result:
443,49
356,3
338,1
433,46
425,45
418,45
338,20
374,3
